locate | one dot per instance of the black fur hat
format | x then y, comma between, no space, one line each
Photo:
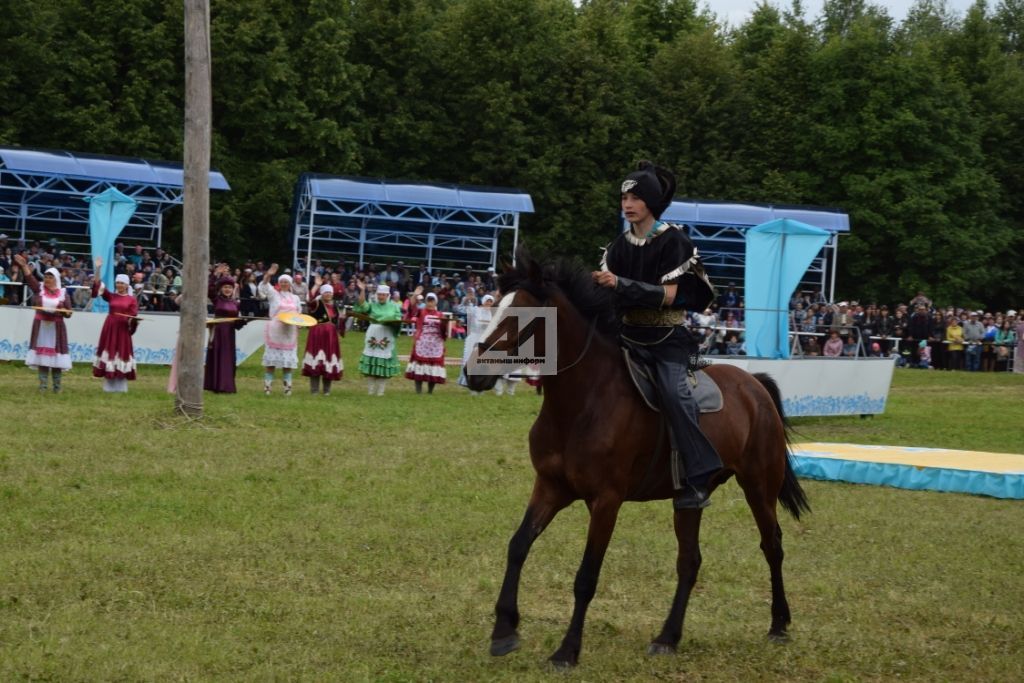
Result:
653,184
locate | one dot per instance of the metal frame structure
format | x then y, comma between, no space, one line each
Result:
372,218
43,193
718,230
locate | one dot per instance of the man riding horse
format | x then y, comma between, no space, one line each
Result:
655,274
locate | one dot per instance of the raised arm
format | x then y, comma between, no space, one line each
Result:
30,278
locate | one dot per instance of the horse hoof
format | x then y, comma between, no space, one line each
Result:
656,649
780,637
561,664
502,646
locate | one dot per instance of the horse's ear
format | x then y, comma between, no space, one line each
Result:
527,264
534,272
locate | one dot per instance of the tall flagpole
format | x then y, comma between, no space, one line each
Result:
188,398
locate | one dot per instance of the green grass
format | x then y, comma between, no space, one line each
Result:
352,538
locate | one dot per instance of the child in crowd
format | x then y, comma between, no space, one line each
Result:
924,355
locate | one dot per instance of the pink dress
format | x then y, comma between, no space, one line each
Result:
48,343
426,364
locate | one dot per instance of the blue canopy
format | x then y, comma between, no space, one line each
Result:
381,221
778,254
109,212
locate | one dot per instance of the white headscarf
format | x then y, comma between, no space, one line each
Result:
326,289
284,278
123,278
383,289
56,275
431,295
487,297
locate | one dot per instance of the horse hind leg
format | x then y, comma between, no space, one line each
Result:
688,561
767,520
544,504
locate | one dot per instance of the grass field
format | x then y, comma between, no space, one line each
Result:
352,538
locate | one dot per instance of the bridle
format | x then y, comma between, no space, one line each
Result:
586,347
583,353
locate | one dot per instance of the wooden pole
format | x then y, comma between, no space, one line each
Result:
188,398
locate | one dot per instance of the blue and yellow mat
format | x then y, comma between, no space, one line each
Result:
1000,475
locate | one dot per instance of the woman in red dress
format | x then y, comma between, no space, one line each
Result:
323,353
115,357
426,364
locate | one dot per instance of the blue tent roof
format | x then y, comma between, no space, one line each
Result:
734,213
420,194
379,220
42,192
94,166
719,229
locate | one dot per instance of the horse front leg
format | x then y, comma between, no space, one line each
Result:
603,514
545,502
687,526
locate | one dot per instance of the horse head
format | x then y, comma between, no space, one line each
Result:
564,286
520,286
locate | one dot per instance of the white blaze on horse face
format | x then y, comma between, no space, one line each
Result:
498,314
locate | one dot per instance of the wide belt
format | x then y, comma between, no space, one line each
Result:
662,317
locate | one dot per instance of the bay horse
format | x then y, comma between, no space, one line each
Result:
596,440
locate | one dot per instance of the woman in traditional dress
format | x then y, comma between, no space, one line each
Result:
48,345
426,364
379,361
220,351
115,357
477,320
280,339
322,358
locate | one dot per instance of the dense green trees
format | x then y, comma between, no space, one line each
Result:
916,129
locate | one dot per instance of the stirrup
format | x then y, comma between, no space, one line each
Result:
691,498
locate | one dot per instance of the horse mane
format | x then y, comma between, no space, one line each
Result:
542,277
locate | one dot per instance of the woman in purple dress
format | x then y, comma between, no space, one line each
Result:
220,351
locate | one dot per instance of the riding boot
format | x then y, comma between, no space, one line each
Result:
43,378
268,381
287,381
419,387
56,374
694,458
430,387
381,383
314,384
371,385
327,387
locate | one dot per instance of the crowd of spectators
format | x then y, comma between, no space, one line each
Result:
918,333
154,274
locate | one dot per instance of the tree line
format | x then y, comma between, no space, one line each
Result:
914,128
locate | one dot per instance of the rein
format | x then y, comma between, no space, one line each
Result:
586,347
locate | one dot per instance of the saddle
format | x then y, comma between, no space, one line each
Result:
705,391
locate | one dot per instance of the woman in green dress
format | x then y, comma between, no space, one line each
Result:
379,361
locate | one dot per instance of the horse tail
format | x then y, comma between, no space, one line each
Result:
792,495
